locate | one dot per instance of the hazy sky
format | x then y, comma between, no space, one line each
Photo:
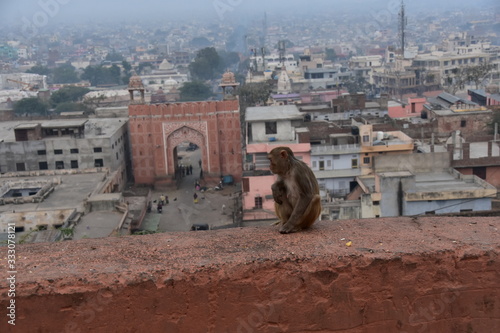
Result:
53,11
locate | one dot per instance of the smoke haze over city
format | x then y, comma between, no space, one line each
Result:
56,11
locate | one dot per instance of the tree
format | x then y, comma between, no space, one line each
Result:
228,59
495,119
195,91
252,94
65,74
199,42
70,106
30,106
330,54
478,73
114,56
357,84
68,94
206,65
39,69
99,75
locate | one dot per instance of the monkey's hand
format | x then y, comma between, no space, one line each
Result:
277,189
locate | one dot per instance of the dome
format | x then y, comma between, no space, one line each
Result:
135,82
166,65
170,82
228,78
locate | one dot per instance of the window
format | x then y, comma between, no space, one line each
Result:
329,163
74,151
271,127
366,160
43,166
58,151
98,162
463,123
42,152
366,138
258,202
74,164
20,167
354,163
97,150
59,164
314,164
116,155
322,165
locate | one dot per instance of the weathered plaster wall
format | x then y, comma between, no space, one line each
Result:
399,275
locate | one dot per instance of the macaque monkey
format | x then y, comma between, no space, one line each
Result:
296,192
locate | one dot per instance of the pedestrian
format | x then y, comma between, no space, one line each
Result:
159,207
162,199
190,169
223,209
166,199
199,163
195,197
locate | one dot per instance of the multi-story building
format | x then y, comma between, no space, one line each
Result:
269,127
64,144
346,156
450,113
416,184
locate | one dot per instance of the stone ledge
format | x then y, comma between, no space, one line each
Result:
257,280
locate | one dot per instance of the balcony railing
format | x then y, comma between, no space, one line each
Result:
335,148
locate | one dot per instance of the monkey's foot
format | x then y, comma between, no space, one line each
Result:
289,228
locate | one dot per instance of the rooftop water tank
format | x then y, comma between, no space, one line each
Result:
380,136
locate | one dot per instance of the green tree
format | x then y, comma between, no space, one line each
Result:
65,74
195,91
330,54
206,65
68,94
39,69
30,106
100,75
252,94
70,106
228,59
114,56
199,42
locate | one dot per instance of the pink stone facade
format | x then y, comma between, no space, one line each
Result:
157,129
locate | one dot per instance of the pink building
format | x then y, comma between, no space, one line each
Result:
412,109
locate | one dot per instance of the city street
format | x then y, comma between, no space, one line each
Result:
181,212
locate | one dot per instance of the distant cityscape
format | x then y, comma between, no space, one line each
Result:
396,112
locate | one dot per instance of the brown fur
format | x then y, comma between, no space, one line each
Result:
296,192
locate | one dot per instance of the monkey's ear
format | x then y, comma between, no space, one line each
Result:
283,154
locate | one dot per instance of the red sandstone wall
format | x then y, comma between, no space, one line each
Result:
156,129
399,275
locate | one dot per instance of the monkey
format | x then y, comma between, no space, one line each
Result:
297,202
